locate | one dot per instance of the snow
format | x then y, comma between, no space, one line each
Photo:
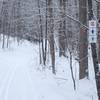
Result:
22,78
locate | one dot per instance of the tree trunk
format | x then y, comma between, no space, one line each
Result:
51,35
98,17
94,53
46,33
83,47
5,22
93,45
71,67
62,29
41,33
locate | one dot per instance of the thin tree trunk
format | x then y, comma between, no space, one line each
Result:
62,29
46,30
41,32
72,71
8,41
51,35
8,35
3,42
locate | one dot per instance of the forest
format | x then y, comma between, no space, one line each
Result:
57,27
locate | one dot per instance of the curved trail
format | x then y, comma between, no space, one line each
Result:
17,84
15,79
20,88
6,83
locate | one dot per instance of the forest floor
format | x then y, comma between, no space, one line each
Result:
22,78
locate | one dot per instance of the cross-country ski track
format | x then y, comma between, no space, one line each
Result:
15,79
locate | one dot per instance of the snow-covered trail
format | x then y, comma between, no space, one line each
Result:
21,87
22,78
15,79
17,85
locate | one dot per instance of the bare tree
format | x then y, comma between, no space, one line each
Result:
5,21
41,33
83,46
94,52
51,34
46,33
98,17
62,28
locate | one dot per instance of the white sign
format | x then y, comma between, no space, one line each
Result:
92,39
92,23
92,31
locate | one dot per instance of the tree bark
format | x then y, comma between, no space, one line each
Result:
51,35
62,28
93,45
94,52
98,17
41,33
46,33
83,47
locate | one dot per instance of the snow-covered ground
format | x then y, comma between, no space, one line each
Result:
22,78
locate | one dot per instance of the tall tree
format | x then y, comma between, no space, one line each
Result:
51,33
62,28
98,17
46,33
93,45
83,47
5,20
18,16
41,33
94,52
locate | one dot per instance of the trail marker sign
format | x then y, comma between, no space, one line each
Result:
92,31
92,23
